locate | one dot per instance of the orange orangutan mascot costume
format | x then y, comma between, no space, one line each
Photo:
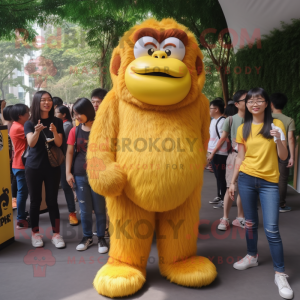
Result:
146,155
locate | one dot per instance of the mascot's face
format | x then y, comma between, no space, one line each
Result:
158,64
157,75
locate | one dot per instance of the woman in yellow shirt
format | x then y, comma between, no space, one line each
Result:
261,139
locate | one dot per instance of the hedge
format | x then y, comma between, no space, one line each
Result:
279,62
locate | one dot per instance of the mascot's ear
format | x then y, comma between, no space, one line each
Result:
199,65
115,64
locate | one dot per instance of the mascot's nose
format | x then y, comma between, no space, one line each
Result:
159,54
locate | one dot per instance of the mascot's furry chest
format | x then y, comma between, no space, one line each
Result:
162,154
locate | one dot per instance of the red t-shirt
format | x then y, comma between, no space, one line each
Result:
18,139
71,137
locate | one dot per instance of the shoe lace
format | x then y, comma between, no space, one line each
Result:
283,281
37,236
58,237
84,240
248,258
224,221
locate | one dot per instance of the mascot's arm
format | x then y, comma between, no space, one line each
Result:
104,175
205,117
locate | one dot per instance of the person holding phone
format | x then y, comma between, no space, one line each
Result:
87,198
261,140
41,125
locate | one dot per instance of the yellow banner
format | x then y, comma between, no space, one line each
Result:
6,212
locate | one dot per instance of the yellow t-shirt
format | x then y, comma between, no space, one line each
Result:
261,158
76,122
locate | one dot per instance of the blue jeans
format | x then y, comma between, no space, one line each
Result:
22,193
250,188
89,200
67,189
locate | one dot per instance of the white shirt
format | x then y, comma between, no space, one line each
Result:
214,139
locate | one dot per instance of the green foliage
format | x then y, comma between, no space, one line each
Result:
11,58
279,62
10,99
104,22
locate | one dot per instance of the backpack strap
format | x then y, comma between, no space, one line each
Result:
76,135
75,148
218,134
229,135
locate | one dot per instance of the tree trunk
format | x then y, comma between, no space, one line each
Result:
224,82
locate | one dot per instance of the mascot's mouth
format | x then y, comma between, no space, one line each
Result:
158,81
159,74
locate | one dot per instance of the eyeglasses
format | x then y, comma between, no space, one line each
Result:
212,108
241,100
259,102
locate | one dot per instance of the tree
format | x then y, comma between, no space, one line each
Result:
11,58
107,20
104,26
204,18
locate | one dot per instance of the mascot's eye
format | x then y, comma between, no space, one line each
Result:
168,52
150,51
145,46
35,258
43,258
173,47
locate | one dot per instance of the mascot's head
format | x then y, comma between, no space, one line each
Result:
158,66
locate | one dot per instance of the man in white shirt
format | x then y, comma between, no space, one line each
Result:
219,159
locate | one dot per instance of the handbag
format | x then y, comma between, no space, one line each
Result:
55,154
25,155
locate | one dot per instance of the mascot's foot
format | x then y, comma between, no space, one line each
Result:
118,279
195,271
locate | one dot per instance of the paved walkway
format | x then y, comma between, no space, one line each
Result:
72,274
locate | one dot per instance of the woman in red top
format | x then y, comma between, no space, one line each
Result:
20,114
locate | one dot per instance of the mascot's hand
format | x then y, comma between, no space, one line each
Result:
109,181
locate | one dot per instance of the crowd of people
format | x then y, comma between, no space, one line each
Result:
66,130
244,161
247,164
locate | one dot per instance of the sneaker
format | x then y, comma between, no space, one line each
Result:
224,224
239,222
285,209
95,233
285,291
102,246
247,262
219,205
22,224
216,200
14,203
36,240
73,219
58,241
85,243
